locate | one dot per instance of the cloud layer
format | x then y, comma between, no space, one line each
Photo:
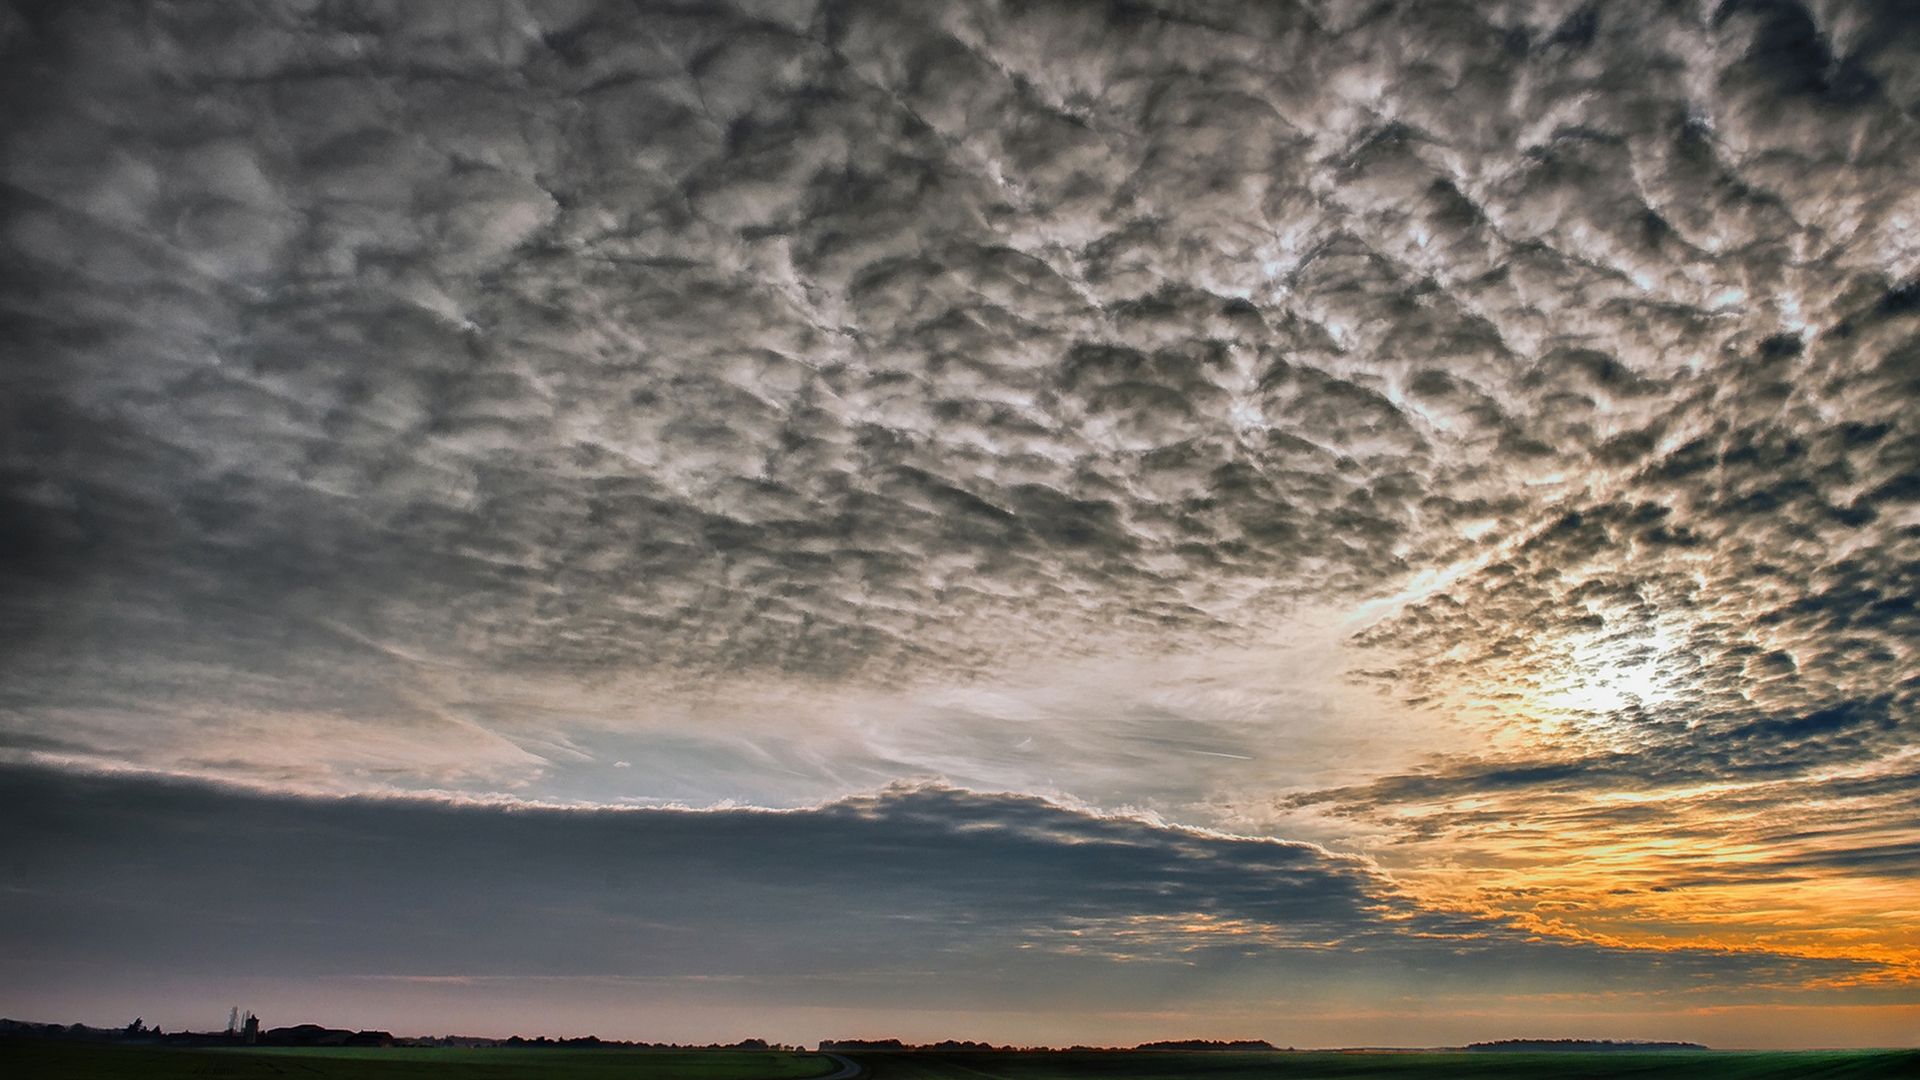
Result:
929,893
846,339
689,401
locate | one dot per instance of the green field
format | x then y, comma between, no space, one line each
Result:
35,1059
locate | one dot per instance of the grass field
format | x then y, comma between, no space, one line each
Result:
35,1059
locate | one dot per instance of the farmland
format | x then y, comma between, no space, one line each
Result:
34,1059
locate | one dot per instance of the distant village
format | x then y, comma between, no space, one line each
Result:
244,1029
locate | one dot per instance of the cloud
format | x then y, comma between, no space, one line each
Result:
931,891
455,395
819,342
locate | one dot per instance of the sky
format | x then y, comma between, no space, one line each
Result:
1046,522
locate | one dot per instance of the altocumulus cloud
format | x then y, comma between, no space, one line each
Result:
950,896
379,375
819,337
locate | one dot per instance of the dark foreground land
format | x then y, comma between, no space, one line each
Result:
1395,1065
22,1059
35,1059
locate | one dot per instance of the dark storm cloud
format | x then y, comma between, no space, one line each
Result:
125,875
881,339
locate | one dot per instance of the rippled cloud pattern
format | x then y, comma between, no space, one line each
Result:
435,395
